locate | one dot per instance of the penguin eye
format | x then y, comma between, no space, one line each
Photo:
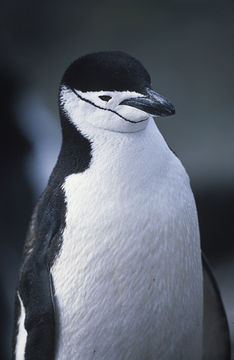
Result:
105,97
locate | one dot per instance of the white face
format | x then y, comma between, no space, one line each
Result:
88,108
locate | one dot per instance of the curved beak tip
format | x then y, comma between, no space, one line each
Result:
168,110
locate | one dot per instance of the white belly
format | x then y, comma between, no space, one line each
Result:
128,279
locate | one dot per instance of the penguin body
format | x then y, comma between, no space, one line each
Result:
112,266
115,281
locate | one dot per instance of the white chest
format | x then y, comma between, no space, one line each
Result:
128,279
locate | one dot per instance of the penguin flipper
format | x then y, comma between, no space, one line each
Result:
17,341
216,338
35,290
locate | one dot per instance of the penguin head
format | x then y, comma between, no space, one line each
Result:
111,91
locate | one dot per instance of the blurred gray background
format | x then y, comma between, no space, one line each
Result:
186,45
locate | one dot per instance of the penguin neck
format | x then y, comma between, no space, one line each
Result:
133,151
104,149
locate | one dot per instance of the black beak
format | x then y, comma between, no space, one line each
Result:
152,103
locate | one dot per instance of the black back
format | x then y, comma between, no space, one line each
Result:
216,336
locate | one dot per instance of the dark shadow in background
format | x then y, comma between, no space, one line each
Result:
16,200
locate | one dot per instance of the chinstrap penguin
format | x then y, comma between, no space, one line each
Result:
112,265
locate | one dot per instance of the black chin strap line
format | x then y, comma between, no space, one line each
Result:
99,107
